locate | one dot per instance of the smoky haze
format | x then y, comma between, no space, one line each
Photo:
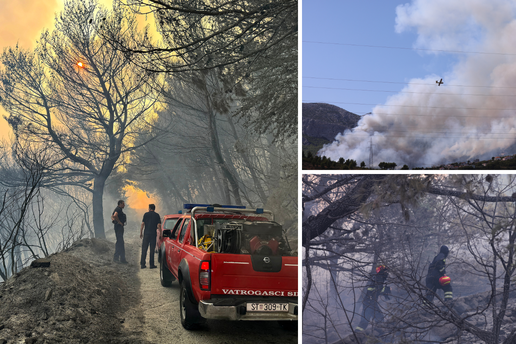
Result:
22,27
404,231
424,124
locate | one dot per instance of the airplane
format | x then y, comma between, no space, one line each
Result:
440,82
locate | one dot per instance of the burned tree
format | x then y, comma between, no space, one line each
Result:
254,41
401,224
200,35
22,175
79,97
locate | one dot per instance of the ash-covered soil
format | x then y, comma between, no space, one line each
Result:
84,297
468,308
80,298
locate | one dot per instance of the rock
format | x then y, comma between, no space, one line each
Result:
40,263
48,294
460,306
55,277
471,302
100,246
445,331
31,340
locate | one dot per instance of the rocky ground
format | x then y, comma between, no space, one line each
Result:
470,308
84,297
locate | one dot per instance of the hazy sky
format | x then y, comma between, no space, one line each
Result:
21,21
369,22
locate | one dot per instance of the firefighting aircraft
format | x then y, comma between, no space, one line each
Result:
440,82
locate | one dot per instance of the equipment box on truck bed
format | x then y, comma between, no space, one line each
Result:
232,263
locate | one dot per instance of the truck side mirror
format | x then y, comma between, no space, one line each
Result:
167,233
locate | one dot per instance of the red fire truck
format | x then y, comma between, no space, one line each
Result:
231,263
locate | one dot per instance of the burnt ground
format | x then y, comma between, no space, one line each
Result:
84,297
79,298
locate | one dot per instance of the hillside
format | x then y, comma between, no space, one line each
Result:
322,122
74,300
84,297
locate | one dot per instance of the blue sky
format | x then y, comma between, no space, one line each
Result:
369,22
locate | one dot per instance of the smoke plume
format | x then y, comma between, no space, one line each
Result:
424,125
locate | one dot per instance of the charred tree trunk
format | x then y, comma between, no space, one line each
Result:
98,209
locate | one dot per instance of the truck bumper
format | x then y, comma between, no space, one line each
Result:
211,309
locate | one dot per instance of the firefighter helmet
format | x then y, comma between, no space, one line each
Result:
444,280
380,268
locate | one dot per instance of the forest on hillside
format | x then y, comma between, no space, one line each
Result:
204,111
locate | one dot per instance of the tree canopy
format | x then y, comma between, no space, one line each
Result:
79,98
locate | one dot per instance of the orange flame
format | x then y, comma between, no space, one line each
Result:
139,200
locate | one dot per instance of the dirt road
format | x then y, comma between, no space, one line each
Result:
157,320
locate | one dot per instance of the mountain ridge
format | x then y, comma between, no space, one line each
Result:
322,122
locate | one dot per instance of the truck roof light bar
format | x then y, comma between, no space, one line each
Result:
192,205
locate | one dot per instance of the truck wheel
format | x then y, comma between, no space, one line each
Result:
289,325
190,316
165,276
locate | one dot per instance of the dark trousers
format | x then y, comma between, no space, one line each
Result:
119,246
432,283
370,311
148,240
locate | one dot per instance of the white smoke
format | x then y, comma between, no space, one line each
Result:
426,124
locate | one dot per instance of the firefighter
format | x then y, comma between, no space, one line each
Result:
375,288
436,277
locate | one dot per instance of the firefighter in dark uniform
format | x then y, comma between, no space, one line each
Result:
436,277
119,220
375,288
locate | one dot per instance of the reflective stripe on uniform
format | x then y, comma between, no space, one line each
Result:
358,328
442,269
383,290
371,289
448,295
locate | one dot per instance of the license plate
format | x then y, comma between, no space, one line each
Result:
267,307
